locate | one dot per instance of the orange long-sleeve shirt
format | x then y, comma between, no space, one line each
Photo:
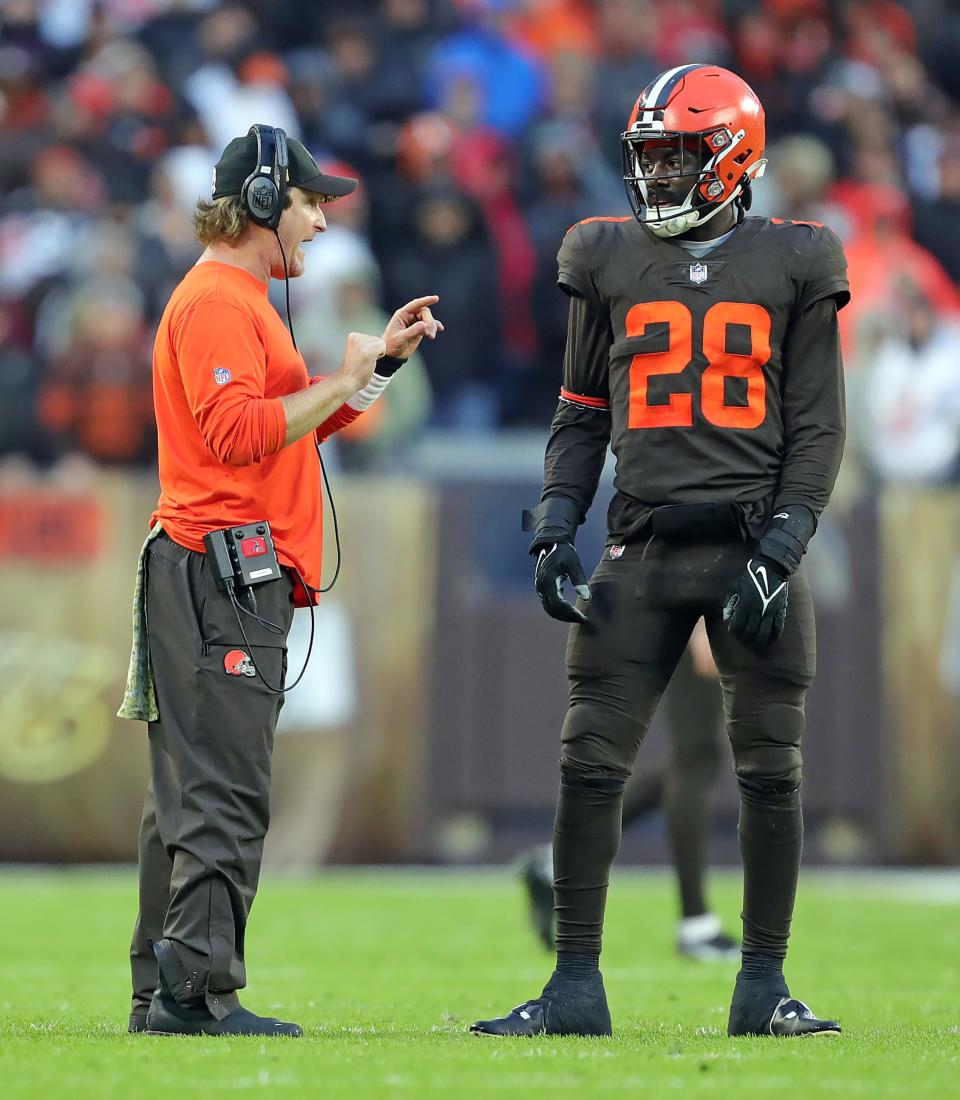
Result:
222,360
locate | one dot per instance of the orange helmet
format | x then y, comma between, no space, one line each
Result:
705,106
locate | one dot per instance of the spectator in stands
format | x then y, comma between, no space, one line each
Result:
627,31
937,221
95,397
380,440
798,184
449,246
509,81
879,254
19,430
909,396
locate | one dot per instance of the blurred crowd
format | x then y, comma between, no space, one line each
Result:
480,130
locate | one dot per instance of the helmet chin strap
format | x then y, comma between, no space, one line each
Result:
671,227
680,223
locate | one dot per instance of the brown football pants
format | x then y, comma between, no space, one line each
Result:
207,806
643,610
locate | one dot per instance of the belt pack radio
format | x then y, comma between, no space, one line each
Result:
242,556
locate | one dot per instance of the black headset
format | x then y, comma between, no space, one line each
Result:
264,191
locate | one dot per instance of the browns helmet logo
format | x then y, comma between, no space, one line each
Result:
238,663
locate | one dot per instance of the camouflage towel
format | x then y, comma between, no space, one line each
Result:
140,698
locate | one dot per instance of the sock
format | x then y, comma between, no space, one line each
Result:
573,964
759,965
586,836
771,839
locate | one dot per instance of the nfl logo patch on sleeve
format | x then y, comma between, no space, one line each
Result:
221,376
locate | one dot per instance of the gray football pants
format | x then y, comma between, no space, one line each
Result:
207,806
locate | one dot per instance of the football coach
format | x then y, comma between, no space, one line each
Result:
238,419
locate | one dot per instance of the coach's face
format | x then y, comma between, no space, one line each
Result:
301,221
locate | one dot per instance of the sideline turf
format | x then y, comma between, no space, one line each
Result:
386,971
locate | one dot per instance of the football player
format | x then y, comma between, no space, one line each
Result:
703,345
682,788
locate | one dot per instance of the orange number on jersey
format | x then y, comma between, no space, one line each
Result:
678,412
721,364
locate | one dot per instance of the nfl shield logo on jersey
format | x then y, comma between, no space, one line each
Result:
698,273
616,552
221,376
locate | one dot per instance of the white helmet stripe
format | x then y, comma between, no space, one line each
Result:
661,86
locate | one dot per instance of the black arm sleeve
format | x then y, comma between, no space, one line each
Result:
814,416
580,432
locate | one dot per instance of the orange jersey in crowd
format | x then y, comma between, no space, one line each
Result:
222,360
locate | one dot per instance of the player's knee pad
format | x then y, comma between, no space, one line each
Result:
597,741
766,744
576,780
774,790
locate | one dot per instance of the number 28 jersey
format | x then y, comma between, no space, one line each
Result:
714,379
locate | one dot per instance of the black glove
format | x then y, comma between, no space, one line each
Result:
755,605
554,564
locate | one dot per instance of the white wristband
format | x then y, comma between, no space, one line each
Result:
364,398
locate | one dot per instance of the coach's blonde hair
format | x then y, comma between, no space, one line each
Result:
222,219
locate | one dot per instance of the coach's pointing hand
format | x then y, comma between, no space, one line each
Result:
409,325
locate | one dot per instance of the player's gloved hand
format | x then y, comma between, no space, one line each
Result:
755,604
557,563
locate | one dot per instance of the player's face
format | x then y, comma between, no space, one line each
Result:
669,171
301,221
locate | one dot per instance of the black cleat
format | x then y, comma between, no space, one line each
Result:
536,871
168,1017
567,1006
793,1018
137,1023
763,1006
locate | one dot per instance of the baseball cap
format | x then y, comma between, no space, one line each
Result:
239,159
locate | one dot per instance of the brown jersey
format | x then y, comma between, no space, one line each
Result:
714,379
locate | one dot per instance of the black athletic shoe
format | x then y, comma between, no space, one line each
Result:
137,1023
167,1017
536,871
763,1006
190,1015
567,1006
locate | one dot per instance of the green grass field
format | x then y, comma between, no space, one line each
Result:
386,971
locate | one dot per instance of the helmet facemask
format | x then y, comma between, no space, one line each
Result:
707,159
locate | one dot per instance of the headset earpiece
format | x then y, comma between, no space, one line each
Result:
264,191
